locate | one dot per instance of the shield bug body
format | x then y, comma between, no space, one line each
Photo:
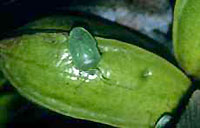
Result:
83,49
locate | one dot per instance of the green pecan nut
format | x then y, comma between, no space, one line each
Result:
131,87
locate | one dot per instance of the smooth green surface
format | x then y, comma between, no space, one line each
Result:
132,87
83,49
186,35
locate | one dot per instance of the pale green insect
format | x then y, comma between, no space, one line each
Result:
83,49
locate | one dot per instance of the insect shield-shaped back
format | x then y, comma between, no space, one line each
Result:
83,49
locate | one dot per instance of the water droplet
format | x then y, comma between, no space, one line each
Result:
69,62
64,57
84,74
70,57
105,73
87,80
147,73
75,71
163,121
69,71
91,77
73,78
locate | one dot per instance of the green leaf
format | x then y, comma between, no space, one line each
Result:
186,35
131,88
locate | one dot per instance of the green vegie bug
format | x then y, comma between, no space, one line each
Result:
83,49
